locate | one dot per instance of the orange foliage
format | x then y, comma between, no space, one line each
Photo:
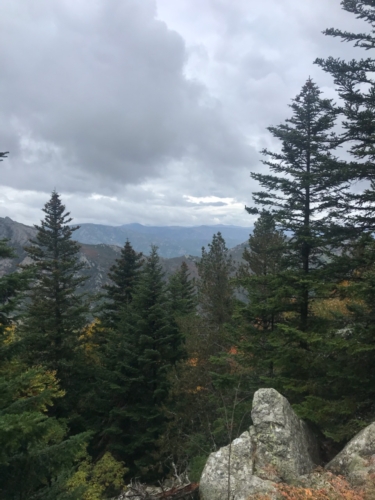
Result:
337,488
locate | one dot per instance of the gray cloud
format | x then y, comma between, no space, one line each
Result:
130,107
104,97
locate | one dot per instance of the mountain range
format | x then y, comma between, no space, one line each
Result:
172,241
98,258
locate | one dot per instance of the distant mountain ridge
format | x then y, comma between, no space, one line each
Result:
172,241
97,258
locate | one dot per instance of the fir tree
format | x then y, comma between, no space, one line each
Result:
306,190
119,292
56,312
181,291
36,456
139,354
215,288
260,277
356,87
11,286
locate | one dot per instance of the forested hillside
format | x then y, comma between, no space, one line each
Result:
97,259
166,370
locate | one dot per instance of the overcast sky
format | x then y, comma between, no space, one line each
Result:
151,111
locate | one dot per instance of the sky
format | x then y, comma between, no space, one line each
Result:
152,111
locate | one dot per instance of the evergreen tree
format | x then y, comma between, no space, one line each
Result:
11,286
307,189
36,457
306,192
119,292
356,87
139,354
215,289
340,391
56,312
181,291
260,277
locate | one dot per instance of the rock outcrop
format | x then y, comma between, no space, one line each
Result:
357,460
284,446
236,474
278,447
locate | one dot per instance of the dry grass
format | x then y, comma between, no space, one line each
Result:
336,488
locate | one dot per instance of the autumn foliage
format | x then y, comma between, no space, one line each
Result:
335,488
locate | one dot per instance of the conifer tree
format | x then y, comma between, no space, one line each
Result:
119,292
11,286
305,189
138,356
56,312
36,456
341,399
305,192
260,277
215,288
181,291
356,87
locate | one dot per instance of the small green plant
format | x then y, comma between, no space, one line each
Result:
100,480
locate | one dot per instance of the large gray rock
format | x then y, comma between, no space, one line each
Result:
285,448
214,483
357,460
278,447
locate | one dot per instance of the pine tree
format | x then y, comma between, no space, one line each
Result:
11,286
306,193
356,87
119,292
307,190
260,278
56,312
36,456
140,352
215,288
181,291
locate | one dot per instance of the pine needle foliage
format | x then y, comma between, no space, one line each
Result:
305,190
123,277
137,357
355,84
56,312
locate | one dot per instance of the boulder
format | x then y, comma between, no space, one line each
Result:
357,460
278,447
284,446
220,474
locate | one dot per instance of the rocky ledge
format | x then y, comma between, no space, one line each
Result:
279,448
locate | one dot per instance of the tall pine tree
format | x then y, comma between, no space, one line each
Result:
123,277
181,291
140,352
215,289
56,312
305,190
259,277
36,457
